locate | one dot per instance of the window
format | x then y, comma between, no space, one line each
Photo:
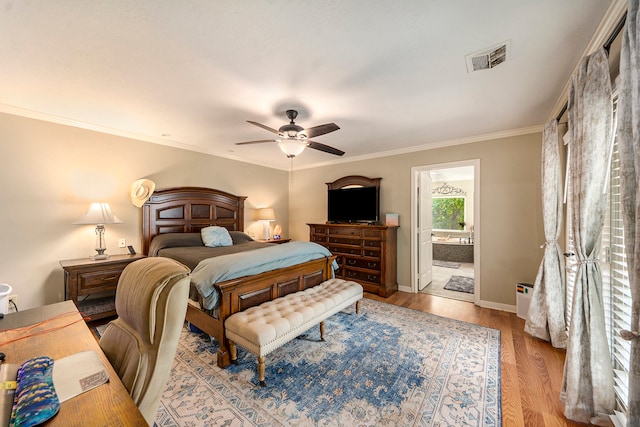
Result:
617,288
448,213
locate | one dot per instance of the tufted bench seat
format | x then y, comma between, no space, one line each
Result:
264,328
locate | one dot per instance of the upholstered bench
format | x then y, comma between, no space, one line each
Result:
264,328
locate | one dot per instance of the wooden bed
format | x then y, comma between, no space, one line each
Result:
188,210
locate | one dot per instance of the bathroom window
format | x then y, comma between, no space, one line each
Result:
448,213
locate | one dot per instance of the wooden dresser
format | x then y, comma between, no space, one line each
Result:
366,254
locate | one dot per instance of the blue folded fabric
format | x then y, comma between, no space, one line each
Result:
35,400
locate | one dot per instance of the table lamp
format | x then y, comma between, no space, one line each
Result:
99,214
266,215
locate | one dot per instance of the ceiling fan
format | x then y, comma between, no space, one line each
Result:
293,139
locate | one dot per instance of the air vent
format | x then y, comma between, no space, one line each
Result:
488,58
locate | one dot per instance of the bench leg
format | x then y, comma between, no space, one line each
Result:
358,303
322,331
234,352
261,362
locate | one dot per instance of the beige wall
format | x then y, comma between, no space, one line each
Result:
510,206
50,173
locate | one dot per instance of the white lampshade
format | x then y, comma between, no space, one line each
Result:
98,213
266,214
291,147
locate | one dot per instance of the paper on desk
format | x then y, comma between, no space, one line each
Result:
75,374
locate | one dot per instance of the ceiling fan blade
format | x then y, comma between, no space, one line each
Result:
320,130
325,148
260,125
256,142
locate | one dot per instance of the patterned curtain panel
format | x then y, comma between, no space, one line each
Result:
588,387
546,312
629,146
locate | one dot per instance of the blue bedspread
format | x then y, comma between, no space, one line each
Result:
213,270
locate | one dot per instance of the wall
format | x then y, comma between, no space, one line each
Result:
510,206
51,173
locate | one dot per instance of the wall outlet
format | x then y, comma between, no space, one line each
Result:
12,300
122,243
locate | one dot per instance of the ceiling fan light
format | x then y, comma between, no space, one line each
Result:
290,147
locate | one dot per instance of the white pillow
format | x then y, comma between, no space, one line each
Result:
216,236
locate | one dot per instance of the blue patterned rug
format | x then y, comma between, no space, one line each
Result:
386,366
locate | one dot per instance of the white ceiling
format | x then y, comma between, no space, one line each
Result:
391,74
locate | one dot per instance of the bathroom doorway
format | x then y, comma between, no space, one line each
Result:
445,223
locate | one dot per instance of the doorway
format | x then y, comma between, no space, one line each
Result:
445,219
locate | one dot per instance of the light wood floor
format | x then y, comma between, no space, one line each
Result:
531,368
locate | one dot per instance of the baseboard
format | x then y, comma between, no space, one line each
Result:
484,304
497,306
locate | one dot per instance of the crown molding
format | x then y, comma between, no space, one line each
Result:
614,14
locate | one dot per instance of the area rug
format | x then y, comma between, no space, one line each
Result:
388,366
447,264
460,284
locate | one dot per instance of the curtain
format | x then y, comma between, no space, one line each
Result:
546,311
588,387
629,146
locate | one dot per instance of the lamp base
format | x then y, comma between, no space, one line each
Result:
99,257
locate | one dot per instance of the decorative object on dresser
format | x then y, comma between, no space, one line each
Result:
277,232
91,284
99,214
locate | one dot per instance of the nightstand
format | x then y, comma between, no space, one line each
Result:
277,241
91,285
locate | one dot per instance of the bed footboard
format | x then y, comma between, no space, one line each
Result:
239,294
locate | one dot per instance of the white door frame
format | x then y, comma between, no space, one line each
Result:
415,173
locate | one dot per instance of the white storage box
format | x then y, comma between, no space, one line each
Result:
523,299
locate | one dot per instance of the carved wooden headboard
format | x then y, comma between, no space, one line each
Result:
188,210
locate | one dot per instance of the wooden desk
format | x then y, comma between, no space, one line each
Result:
64,333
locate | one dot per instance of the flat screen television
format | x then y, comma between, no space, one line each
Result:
354,204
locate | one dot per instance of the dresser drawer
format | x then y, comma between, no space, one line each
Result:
372,253
344,231
369,233
345,250
319,239
374,244
361,275
93,281
373,265
320,229
344,240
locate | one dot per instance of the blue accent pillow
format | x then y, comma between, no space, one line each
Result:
216,236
